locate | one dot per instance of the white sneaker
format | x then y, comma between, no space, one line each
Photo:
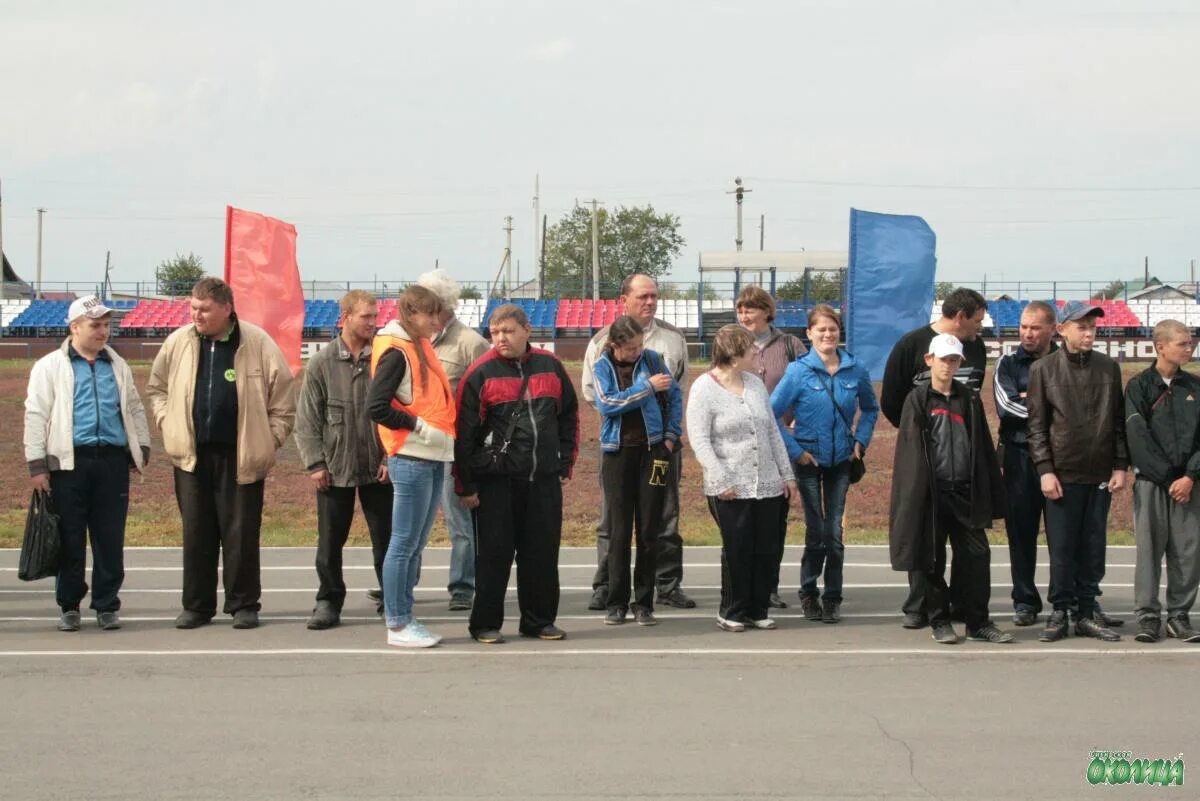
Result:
766,623
729,625
414,635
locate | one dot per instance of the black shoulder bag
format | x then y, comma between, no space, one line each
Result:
493,456
858,467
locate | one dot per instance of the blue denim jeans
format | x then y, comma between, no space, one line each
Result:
416,487
462,539
823,490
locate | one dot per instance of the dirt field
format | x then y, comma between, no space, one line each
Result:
290,513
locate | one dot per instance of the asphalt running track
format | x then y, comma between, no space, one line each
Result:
683,710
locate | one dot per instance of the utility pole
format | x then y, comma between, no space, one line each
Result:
595,248
40,213
508,229
762,238
1145,271
542,260
107,266
739,191
537,239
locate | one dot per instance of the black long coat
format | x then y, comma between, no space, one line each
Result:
914,486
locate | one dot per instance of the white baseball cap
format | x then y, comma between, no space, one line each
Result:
944,345
87,306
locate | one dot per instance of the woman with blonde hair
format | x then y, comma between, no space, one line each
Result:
747,477
411,401
821,393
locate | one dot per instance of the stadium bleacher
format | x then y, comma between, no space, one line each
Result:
10,310
566,317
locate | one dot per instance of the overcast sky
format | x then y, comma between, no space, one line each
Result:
1040,139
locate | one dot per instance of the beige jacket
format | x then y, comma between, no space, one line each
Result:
457,348
266,401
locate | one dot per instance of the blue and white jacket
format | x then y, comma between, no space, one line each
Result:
818,428
613,402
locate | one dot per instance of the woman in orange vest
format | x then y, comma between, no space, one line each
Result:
411,402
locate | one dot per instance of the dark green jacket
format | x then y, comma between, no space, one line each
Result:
1163,426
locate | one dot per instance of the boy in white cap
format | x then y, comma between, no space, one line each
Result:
85,427
946,485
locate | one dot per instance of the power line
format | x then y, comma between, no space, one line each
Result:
974,187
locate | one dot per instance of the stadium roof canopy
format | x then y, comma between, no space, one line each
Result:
789,261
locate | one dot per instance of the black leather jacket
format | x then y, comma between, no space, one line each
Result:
1076,417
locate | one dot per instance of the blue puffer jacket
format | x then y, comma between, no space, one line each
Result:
613,402
818,427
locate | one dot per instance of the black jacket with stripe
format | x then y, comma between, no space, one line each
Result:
1162,425
544,420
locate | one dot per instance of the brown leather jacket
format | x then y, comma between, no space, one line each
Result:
1076,417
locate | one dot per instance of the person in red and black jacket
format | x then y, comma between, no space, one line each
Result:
518,435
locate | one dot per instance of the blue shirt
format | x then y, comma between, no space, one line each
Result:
97,416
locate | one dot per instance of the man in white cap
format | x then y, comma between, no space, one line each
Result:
85,427
946,486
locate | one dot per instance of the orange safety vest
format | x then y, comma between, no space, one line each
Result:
433,403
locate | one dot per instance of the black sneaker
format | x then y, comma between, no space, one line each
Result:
945,634
192,620
989,633
69,620
245,619
324,616
1024,617
831,612
915,620
488,637
615,616
810,607
551,632
108,621
1056,626
1108,621
1179,627
775,602
461,602
1090,627
1149,630
375,595
676,598
599,600
644,617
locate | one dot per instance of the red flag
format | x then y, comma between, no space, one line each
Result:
260,267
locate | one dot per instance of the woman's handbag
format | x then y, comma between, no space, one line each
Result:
42,544
858,467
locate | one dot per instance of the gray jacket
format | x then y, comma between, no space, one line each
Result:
333,429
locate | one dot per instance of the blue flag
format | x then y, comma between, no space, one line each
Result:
889,285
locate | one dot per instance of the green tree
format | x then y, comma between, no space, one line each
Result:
823,287
470,292
632,239
177,276
942,288
1114,290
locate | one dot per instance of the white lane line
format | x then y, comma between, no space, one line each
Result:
687,565
491,652
125,591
